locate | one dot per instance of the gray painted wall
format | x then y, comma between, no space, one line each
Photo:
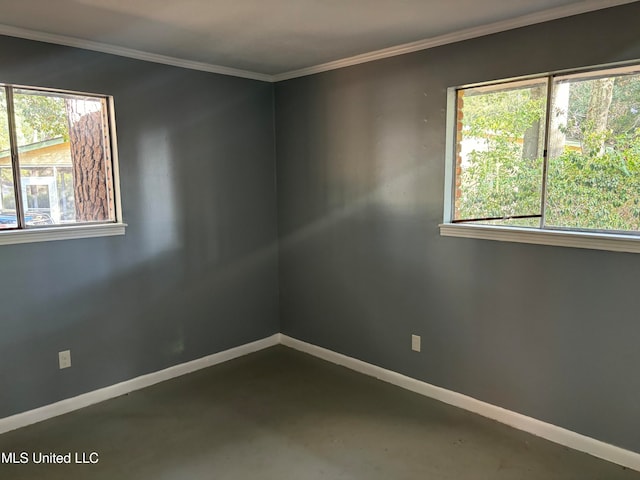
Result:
196,272
549,332
546,331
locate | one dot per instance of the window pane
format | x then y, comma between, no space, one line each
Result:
499,151
64,158
8,217
594,150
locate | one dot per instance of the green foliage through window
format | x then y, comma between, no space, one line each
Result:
592,138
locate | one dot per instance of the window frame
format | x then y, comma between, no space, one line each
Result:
556,236
45,233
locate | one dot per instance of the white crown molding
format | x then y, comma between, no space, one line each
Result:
129,53
466,34
96,396
550,432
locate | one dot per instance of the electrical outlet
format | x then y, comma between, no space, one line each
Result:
415,343
64,359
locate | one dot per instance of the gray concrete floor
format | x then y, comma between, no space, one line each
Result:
280,414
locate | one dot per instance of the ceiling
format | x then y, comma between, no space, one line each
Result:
270,37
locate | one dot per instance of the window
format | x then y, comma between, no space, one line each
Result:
58,171
553,159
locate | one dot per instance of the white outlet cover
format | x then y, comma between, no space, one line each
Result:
415,343
64,359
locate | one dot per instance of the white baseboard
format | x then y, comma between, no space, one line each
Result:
556,434
75,403
539,428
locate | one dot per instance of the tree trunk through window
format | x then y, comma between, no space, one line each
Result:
598,113
533,142
86,137
559,116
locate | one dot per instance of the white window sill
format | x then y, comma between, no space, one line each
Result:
595,241
47,234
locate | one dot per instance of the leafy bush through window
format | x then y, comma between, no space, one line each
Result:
557,152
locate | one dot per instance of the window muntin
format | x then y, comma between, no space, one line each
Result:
58,168
589,178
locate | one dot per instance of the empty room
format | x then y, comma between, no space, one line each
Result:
312,239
